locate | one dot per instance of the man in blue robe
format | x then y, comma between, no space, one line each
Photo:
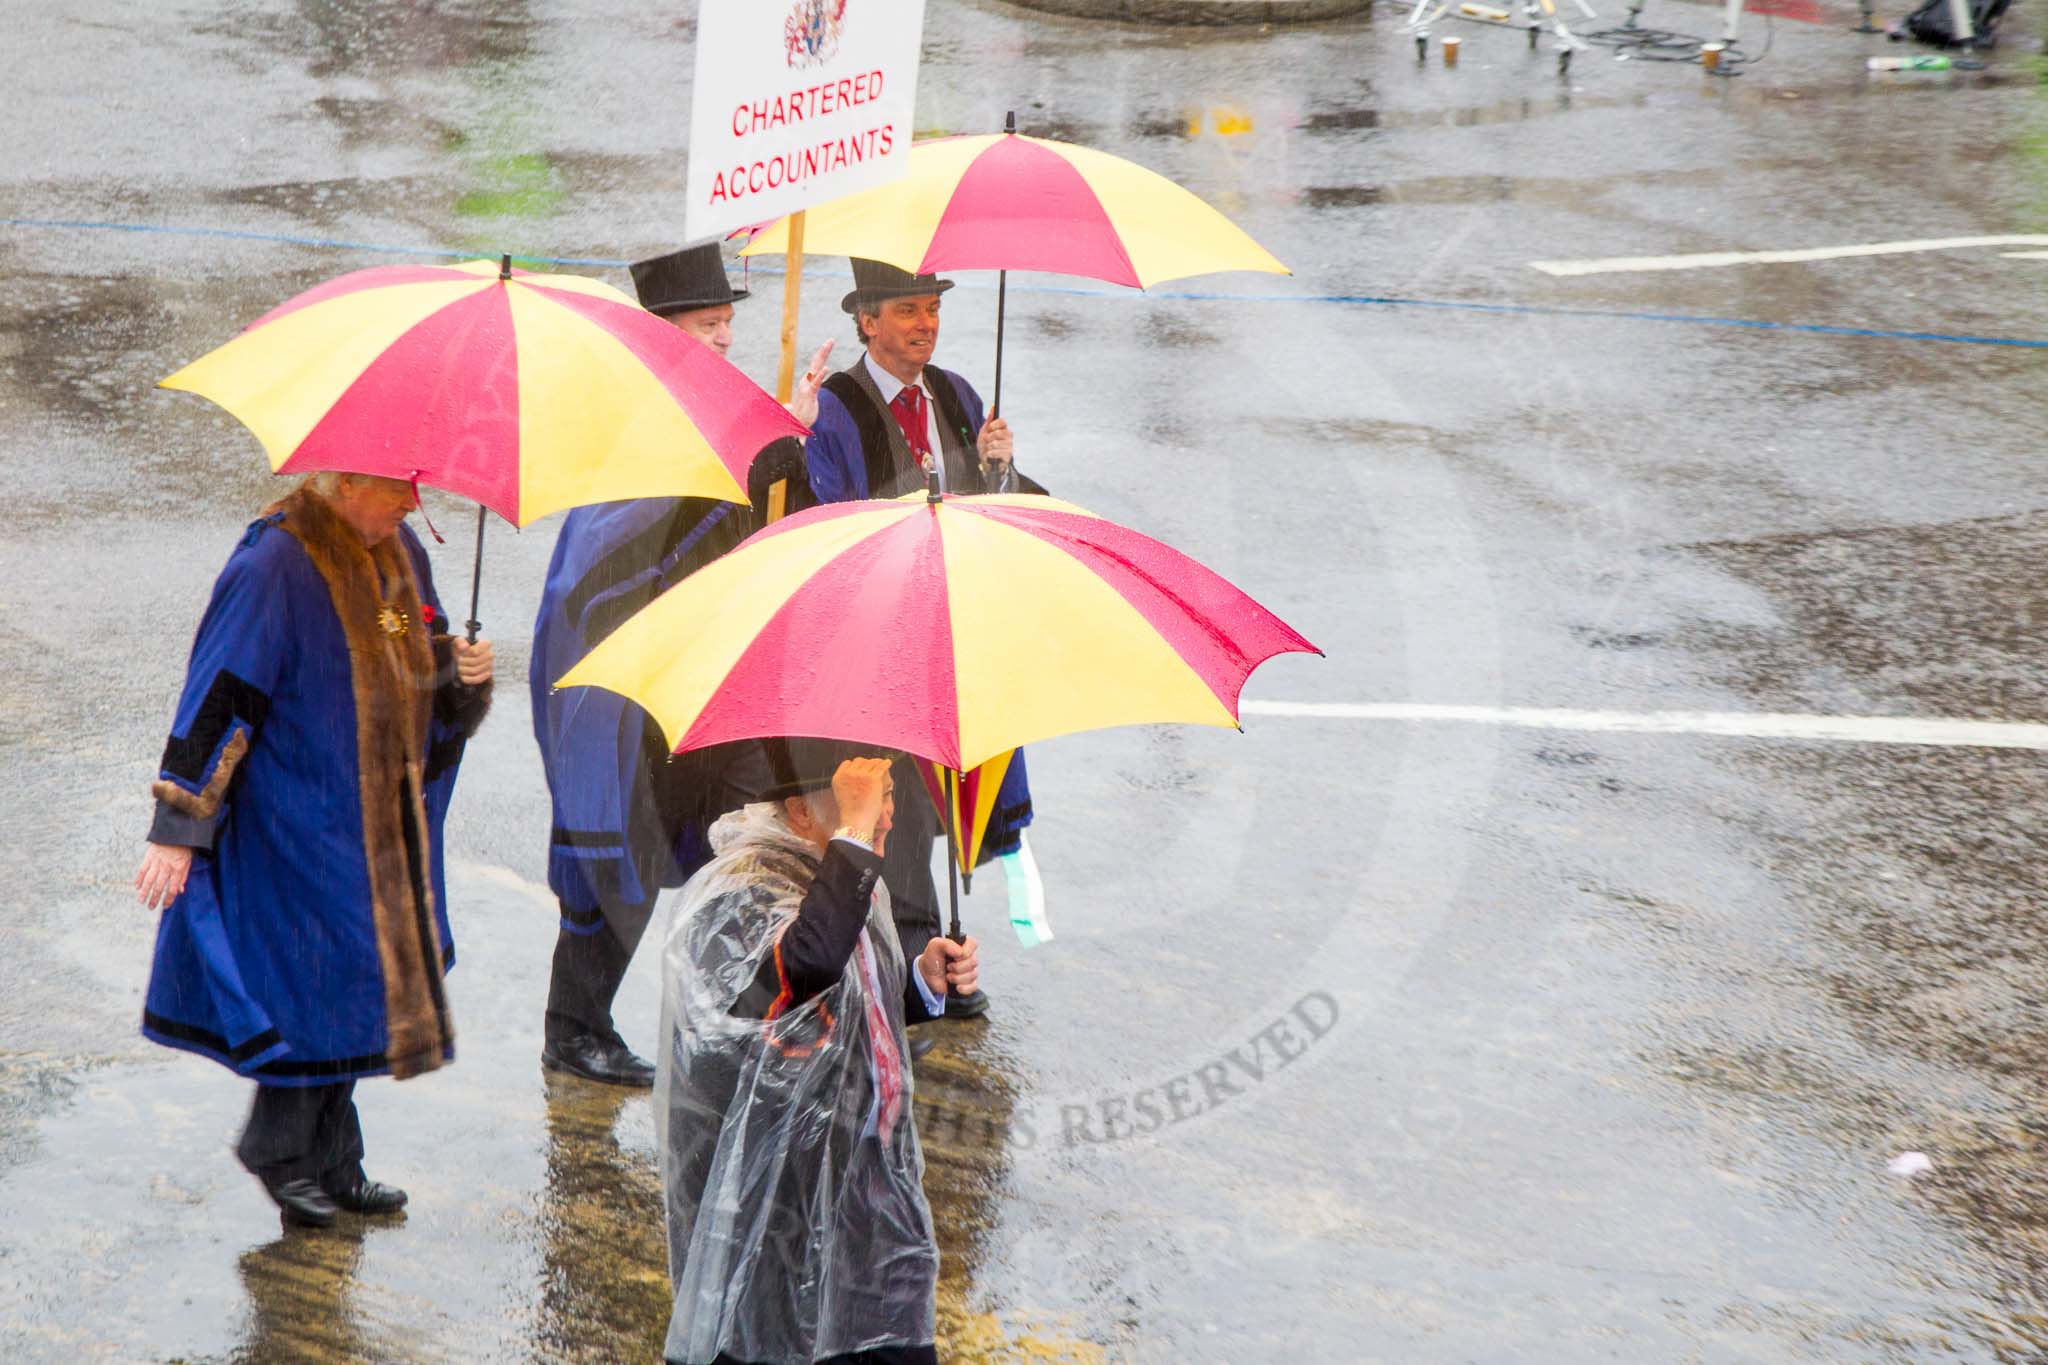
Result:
629,819
885,424
296,845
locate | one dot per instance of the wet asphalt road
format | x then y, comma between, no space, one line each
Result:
1404,1042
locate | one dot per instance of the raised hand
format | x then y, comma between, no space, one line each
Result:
803,404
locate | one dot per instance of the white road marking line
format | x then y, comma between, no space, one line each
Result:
2025,255
1985,734
1709,260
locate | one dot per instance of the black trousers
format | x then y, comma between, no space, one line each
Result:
694,788
304,1132
907,860
588,970
885,1355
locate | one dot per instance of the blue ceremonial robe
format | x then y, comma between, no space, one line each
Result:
838,460
612,844
308,888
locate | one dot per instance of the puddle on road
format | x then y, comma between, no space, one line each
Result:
538,1236
604,1291
964,1104
327,205
1934,619
1911,877
370,121
1920,873
74,343
375,38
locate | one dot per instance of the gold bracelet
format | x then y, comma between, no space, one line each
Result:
859,836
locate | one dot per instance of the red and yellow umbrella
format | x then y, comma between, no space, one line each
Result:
1010,202
869,621
527,392
1007,202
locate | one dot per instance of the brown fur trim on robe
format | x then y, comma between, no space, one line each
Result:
392,678
202,804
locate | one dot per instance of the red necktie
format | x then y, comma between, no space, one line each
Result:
888,1062
908,405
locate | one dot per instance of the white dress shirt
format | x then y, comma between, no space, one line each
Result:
890,386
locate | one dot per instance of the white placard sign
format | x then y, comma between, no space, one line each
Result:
797,102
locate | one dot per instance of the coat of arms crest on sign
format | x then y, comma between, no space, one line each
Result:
810,36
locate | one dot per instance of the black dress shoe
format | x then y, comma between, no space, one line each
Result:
302,1204
597,1059
370,1197
970,1006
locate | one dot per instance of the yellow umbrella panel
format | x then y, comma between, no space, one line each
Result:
529,393
1010,202
972,796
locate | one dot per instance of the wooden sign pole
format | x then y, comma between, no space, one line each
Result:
785,377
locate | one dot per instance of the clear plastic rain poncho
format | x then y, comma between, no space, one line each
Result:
796,1230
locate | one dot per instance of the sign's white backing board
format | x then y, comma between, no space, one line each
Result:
797,102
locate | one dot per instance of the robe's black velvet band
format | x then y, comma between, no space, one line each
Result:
227,699
170,1028
582,921
282,1068
634,556
586,838
423,899
443,756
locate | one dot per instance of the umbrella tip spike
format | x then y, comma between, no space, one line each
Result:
505,266
1010,121
932,495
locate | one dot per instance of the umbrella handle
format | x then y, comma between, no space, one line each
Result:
476,576
952,863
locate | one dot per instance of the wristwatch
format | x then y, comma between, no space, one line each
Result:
864,837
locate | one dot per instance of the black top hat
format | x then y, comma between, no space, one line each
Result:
691,278
800,765
874,281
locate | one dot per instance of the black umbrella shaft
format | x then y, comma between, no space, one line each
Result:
476,576
1002,299
953,859
1002,302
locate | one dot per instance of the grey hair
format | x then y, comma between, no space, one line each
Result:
823,805
327,482
824,809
